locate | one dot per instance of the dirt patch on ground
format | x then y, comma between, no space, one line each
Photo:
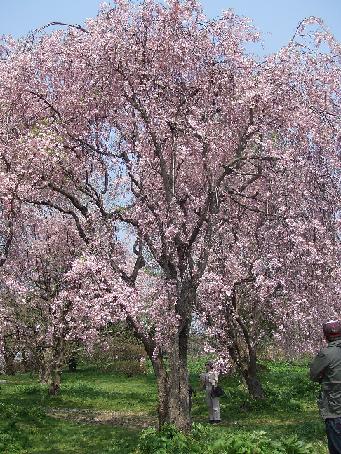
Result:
89,416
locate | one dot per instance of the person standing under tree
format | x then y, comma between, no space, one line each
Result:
326,369
209,381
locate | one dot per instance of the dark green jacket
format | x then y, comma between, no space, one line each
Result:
326,369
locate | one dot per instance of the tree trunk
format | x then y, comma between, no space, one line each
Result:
9,363
173,385
56,369
245,360
162,388
171,369
54,382
45,364
179,413
8,358
72,363
27,362
252,381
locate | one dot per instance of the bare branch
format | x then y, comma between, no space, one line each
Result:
75,202
62,210
50,24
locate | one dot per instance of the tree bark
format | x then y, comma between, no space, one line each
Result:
9,364
170,367
56,369
245,360
45,364
8,357
172,383
179,413
243,349
252,381
162,388
54,382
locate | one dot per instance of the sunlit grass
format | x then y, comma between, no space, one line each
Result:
99,413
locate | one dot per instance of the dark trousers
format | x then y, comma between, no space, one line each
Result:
333,429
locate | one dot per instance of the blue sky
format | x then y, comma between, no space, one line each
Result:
277,19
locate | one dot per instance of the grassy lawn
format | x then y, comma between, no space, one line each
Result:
99,413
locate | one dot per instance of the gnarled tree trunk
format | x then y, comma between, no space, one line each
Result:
170,367
179,413
45,363
56,366
172,381
245,359
250,375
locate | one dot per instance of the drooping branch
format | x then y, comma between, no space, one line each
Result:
54,206
48,104
75,202
51,24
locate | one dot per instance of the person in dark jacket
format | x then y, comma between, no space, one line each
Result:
326,369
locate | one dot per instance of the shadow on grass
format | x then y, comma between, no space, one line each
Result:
66,437
84,390
288,410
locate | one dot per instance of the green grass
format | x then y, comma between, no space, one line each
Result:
290,407
99,413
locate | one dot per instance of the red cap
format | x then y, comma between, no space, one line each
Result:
332,329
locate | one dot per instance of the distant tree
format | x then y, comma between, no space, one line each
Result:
33,281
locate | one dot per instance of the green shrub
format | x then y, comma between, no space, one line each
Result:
203,440
260,443
171,441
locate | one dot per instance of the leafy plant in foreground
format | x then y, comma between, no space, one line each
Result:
203,440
